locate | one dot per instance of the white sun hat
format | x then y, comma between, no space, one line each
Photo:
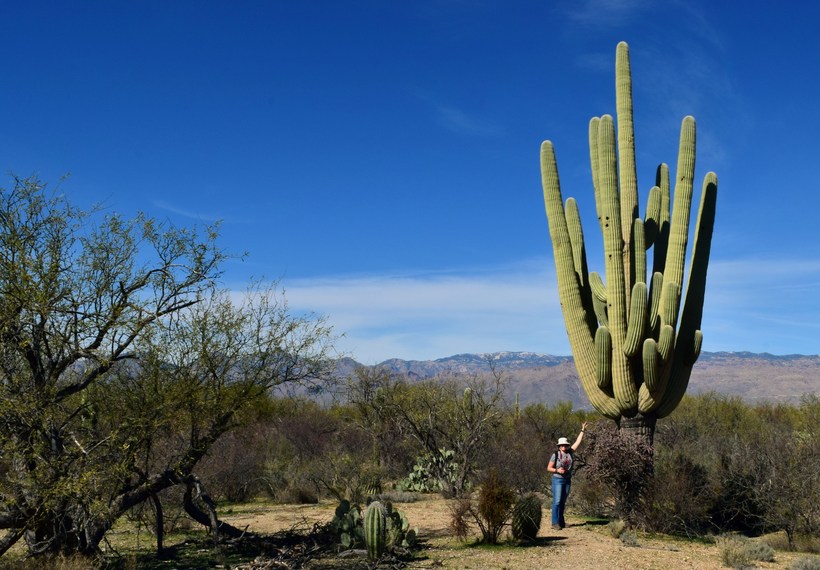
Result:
563,441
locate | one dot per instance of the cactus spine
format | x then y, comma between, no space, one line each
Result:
633,355
526,517
375,530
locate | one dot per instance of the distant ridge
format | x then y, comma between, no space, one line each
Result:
754,377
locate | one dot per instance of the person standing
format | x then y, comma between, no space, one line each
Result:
560,465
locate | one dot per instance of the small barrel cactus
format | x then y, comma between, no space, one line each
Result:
375,530
526,517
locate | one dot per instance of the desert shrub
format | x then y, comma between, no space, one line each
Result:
616,527
679,497
622,465
805,563
235,469
732,552
518,442
629,538
759,551
589,498
489,511
317,450
299,495
462,513
495,502
739,552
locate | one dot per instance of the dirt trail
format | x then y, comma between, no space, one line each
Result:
580,546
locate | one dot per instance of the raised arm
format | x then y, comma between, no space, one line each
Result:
580,437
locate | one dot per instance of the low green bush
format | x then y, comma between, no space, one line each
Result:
805,563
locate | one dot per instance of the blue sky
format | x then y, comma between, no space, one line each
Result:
380,158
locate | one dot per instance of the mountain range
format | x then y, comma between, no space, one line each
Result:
542,378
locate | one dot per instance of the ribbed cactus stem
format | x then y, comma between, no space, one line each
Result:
690,337
679,227
603,352
661,243
576,308
653,214
626,153
576,238
375,530
526,518
638,257
636,330
623,383
656,288
593,159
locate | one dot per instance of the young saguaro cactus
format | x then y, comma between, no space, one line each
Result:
633,354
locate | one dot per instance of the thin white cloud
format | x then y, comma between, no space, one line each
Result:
191,214
455,119
433,316
458,121
603,13
750,305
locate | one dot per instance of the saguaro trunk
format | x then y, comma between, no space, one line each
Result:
639,427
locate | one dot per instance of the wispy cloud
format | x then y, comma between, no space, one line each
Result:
603,13
191,214
750,305
458,121
432,316
455,119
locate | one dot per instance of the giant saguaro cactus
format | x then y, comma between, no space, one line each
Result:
633,354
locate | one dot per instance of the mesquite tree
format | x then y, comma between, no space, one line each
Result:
121,363
633,352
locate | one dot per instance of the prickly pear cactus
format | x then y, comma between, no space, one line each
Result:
375,530
347,524
526,517
633,345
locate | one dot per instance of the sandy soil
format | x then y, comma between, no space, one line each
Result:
581,546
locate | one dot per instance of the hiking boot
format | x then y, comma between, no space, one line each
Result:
557,527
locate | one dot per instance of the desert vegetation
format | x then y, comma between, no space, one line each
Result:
138,396
710,475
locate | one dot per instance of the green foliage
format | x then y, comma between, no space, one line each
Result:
389,534
347,524
526,517
123,363
422,479
633,354
399,533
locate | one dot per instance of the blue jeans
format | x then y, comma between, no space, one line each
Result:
560,491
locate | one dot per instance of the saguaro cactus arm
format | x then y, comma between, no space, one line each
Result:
577,308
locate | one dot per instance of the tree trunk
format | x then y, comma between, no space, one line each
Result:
641,427
160,521
210,518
